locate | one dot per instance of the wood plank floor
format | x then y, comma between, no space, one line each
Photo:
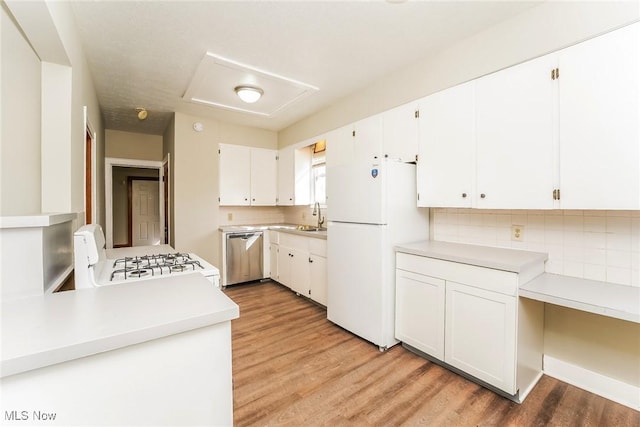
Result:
292,367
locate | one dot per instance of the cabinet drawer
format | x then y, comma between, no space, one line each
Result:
318,247
274,237
504,282
293,241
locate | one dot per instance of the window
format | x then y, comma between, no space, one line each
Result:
319,174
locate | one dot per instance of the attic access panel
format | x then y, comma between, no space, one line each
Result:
216,78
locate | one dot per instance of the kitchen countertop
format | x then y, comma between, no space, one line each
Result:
285,228
606,299
45,330
38,220
482,256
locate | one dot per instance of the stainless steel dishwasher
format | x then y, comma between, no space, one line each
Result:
244,257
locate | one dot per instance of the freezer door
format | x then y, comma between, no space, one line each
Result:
356,192
361,290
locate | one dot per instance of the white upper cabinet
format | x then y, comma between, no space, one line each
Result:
446,159
294,175
264,172
599,122
559,131
235,175
286,176
515,137
367,139
340,146
400,132
356,143
247,176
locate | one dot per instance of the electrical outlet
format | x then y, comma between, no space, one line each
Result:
517,233
304,215
229,216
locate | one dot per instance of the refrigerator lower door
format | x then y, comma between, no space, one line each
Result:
361,288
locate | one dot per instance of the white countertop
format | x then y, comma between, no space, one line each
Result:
482,256
607,299
285,228
45,330
38,220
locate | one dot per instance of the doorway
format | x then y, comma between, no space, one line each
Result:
117,208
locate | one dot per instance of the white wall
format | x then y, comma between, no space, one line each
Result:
535,32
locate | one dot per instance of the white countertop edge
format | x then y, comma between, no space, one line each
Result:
284,228
59,329
100,345
519,262
573,292
39,220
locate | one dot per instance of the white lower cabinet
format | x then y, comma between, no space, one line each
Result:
273,261
480,335
470,318
300,264
420,312
318,270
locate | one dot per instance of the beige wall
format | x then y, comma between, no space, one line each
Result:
195,211
43,135
536,31
130,145
20,144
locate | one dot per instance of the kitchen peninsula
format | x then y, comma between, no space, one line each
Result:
156,352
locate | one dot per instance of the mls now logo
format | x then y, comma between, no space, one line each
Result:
26,415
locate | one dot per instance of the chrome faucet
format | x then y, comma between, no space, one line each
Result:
316,211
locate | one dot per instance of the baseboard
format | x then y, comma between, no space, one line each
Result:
604,386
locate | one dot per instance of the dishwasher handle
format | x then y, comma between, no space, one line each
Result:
243,236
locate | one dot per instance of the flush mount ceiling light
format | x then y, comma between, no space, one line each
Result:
249,94
142,113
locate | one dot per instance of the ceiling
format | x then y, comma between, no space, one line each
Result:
147,53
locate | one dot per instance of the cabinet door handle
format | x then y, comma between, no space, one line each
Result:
482,196
310,260
464,195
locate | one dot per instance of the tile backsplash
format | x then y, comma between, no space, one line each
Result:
239,215
597,245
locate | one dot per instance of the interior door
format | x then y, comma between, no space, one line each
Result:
145,213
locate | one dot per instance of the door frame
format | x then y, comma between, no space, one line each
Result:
90,170
110,163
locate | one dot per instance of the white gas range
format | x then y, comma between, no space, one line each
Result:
93,268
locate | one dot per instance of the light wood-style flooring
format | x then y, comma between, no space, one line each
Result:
292,367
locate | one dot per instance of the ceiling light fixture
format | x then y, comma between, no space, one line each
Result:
249,94
142,113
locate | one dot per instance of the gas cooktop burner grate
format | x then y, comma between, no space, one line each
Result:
150,265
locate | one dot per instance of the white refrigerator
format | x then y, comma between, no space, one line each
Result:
371,208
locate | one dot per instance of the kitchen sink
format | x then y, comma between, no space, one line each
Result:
310,228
